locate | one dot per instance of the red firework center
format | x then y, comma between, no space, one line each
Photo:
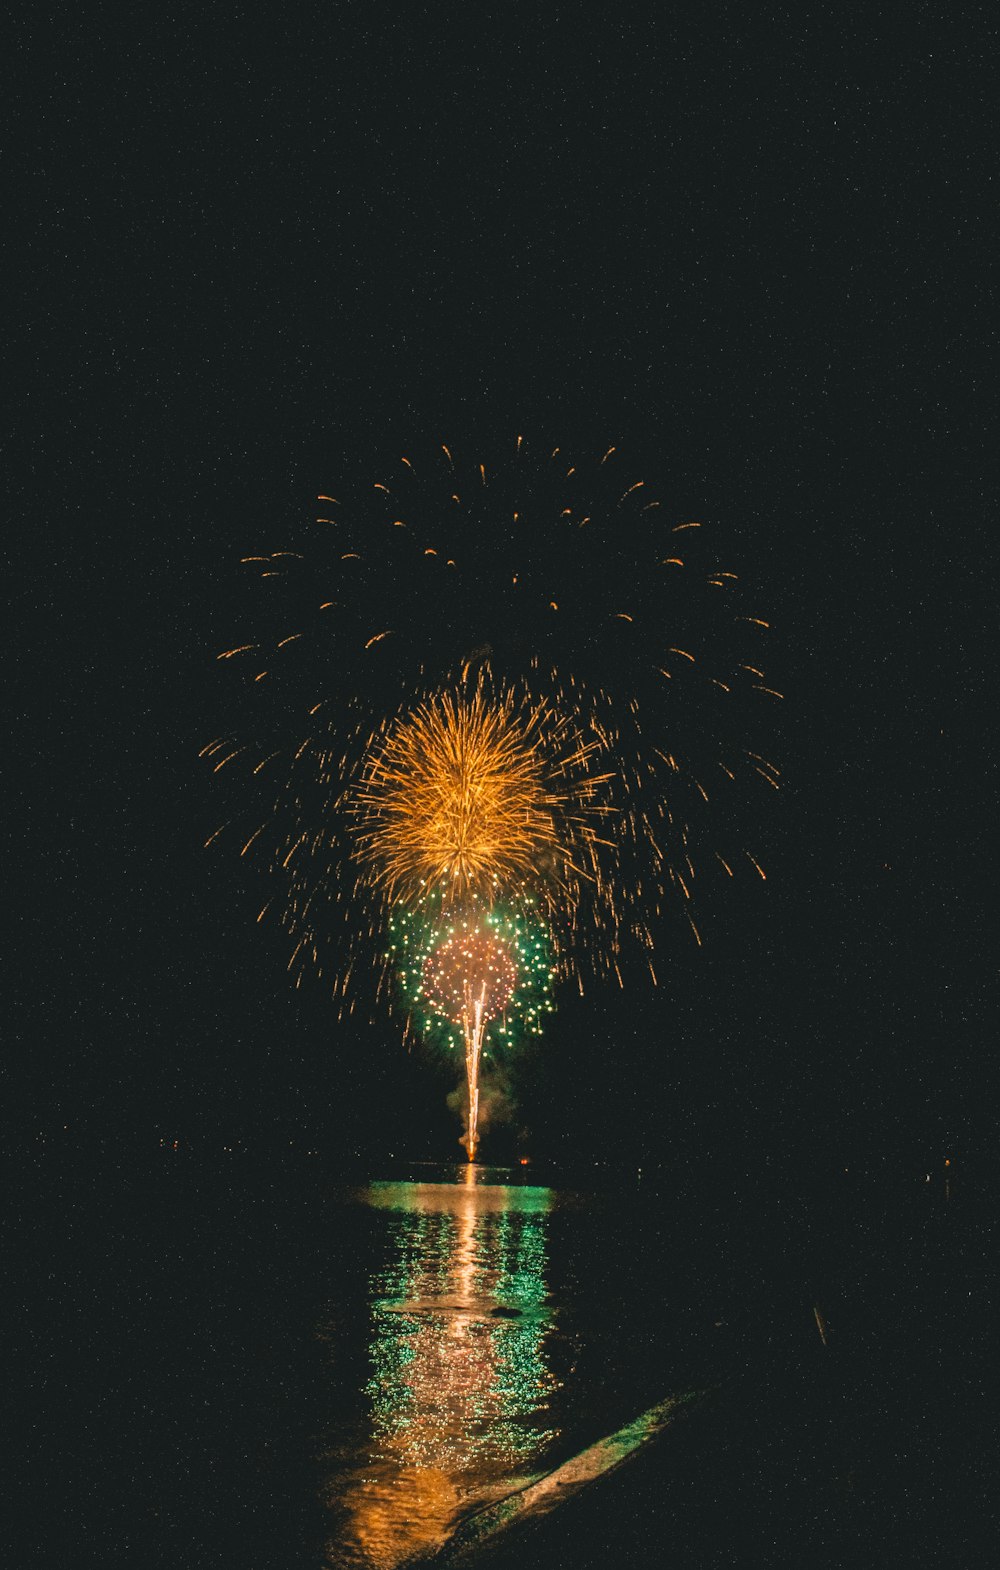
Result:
472,967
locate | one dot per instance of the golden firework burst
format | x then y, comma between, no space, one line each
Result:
478,793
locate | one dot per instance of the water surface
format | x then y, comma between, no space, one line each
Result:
486,1328
460,1395
267,1364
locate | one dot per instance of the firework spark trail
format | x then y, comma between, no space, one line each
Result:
471,978
472,974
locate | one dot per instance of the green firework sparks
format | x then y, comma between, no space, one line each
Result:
420,932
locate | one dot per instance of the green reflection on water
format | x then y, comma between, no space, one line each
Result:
459,1384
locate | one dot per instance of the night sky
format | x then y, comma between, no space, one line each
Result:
251,254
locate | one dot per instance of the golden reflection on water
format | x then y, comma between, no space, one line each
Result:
458,1392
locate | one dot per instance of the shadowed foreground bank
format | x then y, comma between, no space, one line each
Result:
876,1448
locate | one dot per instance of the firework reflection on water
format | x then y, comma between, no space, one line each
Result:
460,1384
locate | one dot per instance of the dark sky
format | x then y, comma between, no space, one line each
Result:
248,252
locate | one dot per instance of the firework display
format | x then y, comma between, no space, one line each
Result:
470,978
475,792
472,974
471,969
508,720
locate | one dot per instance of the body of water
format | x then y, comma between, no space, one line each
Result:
507,1325
261,1363
461,1383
